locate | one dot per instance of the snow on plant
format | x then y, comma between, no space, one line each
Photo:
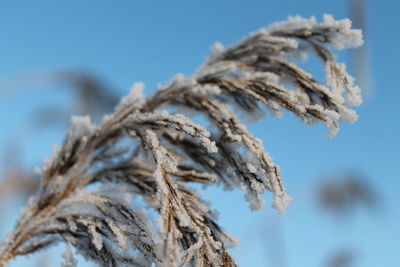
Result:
141,149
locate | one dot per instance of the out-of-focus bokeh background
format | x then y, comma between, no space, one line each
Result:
59,58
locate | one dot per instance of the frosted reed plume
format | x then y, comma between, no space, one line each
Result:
143,149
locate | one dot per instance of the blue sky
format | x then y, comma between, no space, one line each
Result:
127,41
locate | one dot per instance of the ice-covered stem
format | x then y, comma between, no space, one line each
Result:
172,151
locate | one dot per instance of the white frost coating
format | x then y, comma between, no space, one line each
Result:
293,23
338,98
339,32
283,42
354,97
257,187
340,80
267,76
283,46
281,202
68,257
177,82
207,90
332,117
106,118
181,81
179,123
255,202
82,123
121,239
135,96
72,224
333,130
251,168
190,252
47,162
217,49
348,115
217,68
344,36
97,240
163,197
301,96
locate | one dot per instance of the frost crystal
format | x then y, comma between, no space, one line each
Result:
82,125
135,96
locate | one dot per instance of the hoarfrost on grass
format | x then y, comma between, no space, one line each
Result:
169,151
